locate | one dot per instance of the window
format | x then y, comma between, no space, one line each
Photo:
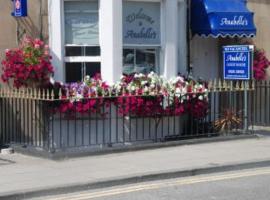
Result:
82,50
141,37
139,61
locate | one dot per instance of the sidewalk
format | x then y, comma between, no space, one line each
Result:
21,174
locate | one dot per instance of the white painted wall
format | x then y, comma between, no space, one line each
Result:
171,37
56,37
205,55
111,39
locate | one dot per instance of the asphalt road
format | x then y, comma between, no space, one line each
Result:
237,185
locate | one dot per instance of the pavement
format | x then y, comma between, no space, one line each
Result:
24,176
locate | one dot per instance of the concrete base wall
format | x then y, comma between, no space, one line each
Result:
98,131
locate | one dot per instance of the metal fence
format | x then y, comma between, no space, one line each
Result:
262,103
36,118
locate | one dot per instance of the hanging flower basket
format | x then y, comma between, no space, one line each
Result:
29,65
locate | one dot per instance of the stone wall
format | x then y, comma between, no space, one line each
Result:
262,21
12,29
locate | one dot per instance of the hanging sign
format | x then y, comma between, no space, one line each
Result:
237,62
141,22
19,8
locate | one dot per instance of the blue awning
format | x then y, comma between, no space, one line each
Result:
222,18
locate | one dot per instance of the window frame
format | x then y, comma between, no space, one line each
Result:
79,59
157,47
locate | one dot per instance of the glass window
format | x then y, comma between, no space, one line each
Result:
141,22
141,37
82,50
81,22
139,61
75,70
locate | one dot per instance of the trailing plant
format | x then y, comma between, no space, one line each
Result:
139,95
29,65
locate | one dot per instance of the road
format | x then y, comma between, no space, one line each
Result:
237,185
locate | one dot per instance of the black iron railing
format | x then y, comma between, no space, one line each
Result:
38,119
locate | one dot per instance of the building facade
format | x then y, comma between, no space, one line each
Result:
115,37
121,36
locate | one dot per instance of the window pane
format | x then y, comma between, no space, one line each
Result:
128,61
74,51
92,51
81,22
73,72
92,69
141,22
145,60
82,51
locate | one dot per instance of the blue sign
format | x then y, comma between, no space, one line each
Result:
19,8
237,62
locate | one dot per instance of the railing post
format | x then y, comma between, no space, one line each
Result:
245,106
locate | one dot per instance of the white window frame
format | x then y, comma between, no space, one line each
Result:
157,47
78,59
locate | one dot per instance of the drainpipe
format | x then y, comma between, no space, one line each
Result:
189,67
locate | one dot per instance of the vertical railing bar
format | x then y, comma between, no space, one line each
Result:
16,120
2,120
268,121
265,102
96,119
89,127
103,123
23,115
75,124
143,126
110,121
29,120
260,94
117,118
8,121
136,134
60,129
162,117
82,134
130,118
39,123
68,131
174,129
12,119
32,121
52,139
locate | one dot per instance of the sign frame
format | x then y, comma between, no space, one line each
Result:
247,51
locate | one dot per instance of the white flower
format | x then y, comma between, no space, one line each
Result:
200,97
152,86
141,75
52,81
118,87
144,83
146,89
133,88
86,78
178,91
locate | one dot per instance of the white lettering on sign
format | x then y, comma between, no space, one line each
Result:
239,57
236,21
